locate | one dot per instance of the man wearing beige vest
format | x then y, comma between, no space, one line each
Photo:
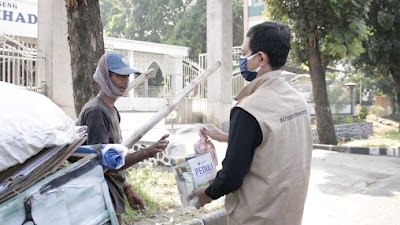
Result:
266,169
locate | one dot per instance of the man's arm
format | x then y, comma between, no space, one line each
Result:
215,133
244,136
151,151
134,199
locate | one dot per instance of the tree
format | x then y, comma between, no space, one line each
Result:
141,20
324,32
382,55
191,30
168,22
85,37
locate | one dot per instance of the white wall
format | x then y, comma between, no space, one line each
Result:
52,40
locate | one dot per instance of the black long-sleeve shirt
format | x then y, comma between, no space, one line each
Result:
245,136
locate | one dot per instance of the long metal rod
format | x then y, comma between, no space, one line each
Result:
140,79
163,112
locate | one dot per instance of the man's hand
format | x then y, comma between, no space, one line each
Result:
134,199
157,147
203,198
214,133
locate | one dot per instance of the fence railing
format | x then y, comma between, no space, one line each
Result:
237,82
150,92
20,63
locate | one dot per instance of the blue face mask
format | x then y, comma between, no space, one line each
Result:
247,74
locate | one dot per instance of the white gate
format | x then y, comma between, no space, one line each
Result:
237,80
21,64
190,70
194,107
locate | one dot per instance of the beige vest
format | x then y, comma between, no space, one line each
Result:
275,189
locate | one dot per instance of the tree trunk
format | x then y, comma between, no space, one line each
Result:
396,78
85,36
325,127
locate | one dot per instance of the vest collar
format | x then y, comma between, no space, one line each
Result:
262,80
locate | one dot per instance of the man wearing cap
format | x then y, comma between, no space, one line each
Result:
266,169
102,119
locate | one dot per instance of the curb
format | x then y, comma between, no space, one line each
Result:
385,151
217,217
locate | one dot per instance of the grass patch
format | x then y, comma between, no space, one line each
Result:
392,135
385,139
157,188
376,145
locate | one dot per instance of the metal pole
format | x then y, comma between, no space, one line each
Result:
140,79
361,91
352,99
141,131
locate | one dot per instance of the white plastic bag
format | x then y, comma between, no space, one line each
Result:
197,172
30,122
194,162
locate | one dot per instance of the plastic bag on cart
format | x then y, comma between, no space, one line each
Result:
30,122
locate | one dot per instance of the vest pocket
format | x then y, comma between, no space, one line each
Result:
231,202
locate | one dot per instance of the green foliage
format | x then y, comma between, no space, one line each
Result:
158,189
383,145
348,120
337,97
338,119
173,22
377,110
384,44
157,80
385,139
392,135
323,32
337,27
331,75
381,58
363,112
155,186
190,30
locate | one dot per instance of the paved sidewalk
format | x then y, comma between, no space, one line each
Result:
345,189
352,189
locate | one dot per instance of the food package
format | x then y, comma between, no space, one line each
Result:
203,146
195,173
194,161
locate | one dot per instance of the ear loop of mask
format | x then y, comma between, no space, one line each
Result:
251,57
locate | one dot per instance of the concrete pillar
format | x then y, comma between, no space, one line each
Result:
177,77
52,40
245,17
219,48
351,87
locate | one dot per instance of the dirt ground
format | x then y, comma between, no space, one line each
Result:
178,214
379,139
380,127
